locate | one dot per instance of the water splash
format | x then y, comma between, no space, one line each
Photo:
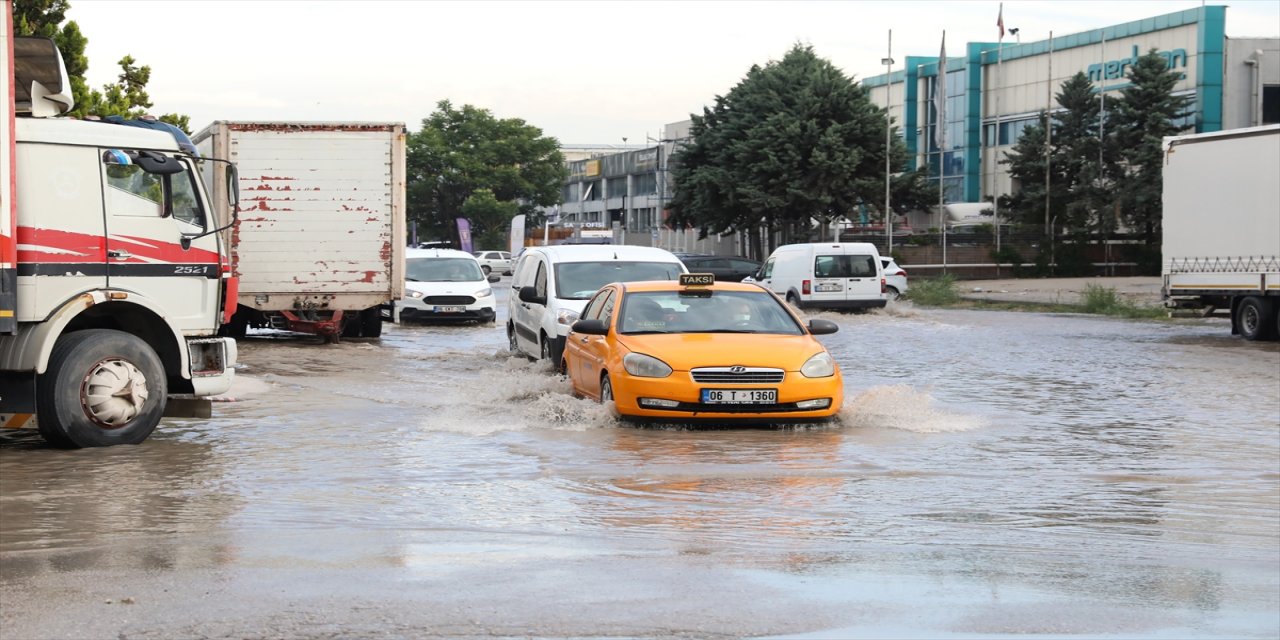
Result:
902,407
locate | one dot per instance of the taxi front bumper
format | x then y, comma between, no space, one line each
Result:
636,397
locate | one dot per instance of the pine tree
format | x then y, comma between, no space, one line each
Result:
1146,112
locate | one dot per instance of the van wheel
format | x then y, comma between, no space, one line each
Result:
102,387
892,293
793,300
1254,318
512,345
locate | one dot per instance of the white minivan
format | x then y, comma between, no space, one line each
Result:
552,284
826,275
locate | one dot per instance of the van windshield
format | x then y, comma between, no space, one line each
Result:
442,270
580,280
844,266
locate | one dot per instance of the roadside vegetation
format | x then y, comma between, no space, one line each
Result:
1096,299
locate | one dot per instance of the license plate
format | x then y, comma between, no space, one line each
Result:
830,287
450,309
739,396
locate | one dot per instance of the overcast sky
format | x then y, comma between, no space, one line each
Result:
584,72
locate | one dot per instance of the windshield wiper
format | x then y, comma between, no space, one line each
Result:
731,331
646,332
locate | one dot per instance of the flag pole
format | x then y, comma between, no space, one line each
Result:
1048,138
940,97
995,177
888,144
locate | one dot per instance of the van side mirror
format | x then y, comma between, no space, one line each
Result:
530,295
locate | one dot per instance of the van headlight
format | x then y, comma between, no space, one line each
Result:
566,317
413,294
819,366
483,293
640,365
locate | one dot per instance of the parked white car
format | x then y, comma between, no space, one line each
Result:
444,284
552,284
895,279
494,261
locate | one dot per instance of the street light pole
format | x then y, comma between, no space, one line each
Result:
887,61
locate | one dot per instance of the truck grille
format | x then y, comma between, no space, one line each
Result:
449,300
737,375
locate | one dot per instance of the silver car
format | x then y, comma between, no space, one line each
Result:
494,261
895,279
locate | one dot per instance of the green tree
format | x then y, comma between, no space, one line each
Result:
1146,112
794,141
490,218
127,97
460,153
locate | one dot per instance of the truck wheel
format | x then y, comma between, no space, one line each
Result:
1254,318
102,387
371,322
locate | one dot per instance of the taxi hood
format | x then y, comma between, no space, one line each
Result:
684,351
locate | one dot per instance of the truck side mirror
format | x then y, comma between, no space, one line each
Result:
233,186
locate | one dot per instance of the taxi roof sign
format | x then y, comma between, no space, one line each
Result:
697,279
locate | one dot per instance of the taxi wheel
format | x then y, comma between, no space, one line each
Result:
606,389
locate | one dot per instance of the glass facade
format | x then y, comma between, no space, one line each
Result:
950,162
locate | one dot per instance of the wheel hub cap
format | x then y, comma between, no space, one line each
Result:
114,393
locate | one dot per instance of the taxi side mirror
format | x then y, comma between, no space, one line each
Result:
819,327
591,327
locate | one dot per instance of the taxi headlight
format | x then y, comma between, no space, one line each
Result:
413,294
567,317
638,364
483,293
819,366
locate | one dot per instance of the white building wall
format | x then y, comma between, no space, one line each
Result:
1242,103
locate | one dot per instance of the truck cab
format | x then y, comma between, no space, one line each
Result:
114,280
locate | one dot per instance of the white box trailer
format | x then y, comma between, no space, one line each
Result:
320,243
1221,224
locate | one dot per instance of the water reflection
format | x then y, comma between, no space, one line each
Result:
126,506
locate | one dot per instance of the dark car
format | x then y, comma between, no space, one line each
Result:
729,268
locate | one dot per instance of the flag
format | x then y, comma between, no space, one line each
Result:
464,234
1000,21
940,97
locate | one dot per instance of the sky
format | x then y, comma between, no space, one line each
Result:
584,72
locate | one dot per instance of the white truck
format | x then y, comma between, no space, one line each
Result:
319,247
1222,227
112,272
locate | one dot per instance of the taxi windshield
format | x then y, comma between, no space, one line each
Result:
581,280
645,312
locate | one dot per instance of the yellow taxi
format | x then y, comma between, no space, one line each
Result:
696,350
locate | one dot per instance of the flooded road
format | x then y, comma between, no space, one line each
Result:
991,473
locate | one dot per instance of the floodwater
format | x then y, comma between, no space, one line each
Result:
991,474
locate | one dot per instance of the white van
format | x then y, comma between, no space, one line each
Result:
826,275
552,284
